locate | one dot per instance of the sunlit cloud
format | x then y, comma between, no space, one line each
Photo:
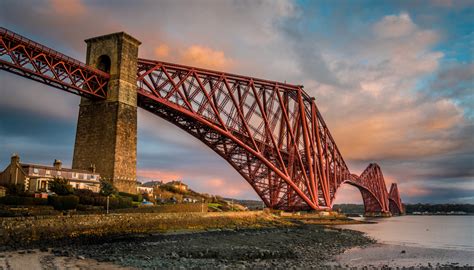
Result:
162,51
200,56
68,8
155,175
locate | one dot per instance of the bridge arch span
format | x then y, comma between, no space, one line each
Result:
268,182
372,204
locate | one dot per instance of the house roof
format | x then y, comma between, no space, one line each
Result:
27,165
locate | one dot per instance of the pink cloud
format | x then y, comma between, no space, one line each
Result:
415,191
68,8
162,51
161,175
202,56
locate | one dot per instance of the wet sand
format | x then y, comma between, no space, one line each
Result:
378,256
40,260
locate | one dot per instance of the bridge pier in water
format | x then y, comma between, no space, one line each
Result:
106,136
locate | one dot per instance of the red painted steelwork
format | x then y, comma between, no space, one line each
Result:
29,59
395,201
272,133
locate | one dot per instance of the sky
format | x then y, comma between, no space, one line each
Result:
393,81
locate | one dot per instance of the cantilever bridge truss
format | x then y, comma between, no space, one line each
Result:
272,133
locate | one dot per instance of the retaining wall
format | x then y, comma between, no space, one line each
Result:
44,228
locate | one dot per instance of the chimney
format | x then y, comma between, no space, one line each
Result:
57,164
92,168
15,159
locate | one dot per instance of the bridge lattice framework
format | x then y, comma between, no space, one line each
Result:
272,133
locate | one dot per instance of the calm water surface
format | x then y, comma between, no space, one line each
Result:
452,232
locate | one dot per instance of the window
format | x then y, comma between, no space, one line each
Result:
93,177
85,176
35,171
48,172
75,175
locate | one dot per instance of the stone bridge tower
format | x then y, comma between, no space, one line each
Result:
106,136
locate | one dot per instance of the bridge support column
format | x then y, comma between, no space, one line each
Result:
106,136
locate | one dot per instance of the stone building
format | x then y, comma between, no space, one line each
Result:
36,177
178,185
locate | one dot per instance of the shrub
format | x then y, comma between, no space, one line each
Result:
87,197
18,189
124,202
135,197
64,202
17,200
118,202
60,186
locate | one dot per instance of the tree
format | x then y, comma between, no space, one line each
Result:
106,188
60,186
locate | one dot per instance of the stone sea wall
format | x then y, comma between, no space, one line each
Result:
44,228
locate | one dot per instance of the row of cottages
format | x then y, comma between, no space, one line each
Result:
36,177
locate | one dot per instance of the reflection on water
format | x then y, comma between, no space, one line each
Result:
453,232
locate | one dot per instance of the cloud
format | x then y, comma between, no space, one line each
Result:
374,93
21,94
68,8
456,82
205,57
165,176
348,194
162,51
395,26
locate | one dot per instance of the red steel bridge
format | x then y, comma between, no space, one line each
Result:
272,133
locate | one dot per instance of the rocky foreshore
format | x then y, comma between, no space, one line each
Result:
302,246
267,242
298,247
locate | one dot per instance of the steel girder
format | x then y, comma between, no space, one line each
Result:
395,201
272,133
371,185
32,60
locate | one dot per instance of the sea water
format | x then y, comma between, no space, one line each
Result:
446,232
